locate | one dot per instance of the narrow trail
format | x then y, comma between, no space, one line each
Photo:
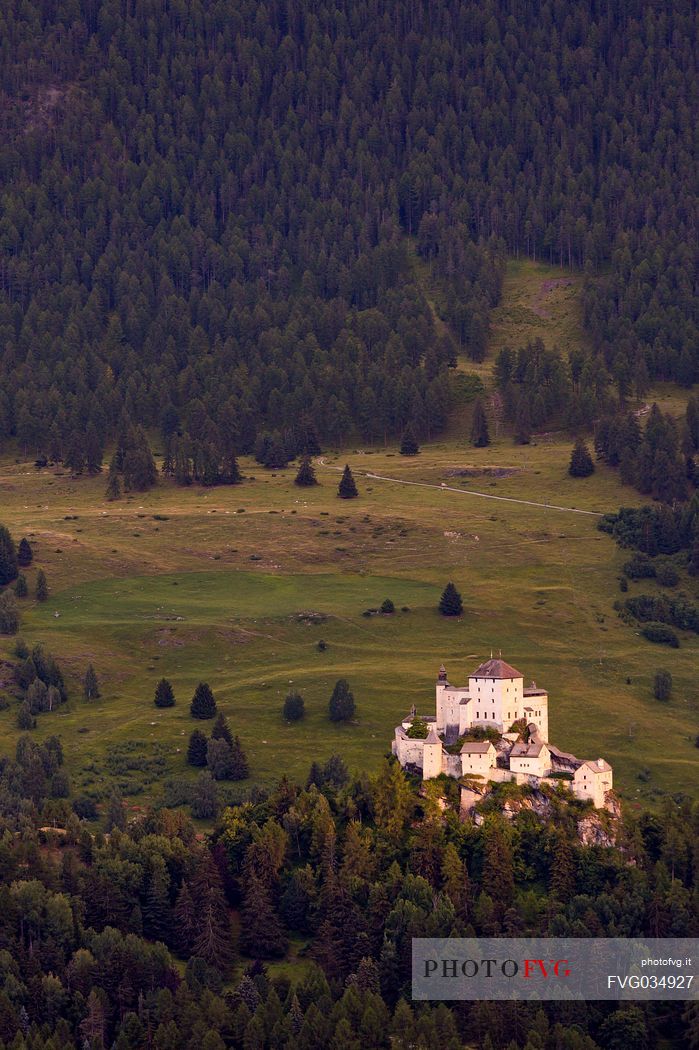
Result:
464,492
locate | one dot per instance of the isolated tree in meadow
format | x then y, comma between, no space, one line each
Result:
196,749
347,488
42,587
203,703
306,474
9,613
294,707
581,465
164,694
450,604
25,554
662,685
479,426
341,705
8,557
21,588
221,730
91,689
409,445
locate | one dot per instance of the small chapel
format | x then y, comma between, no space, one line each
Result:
494,729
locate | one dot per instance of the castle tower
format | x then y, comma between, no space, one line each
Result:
442,686
497,694
431,755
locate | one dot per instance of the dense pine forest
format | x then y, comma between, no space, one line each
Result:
149,937
210,213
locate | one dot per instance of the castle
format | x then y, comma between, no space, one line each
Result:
494,729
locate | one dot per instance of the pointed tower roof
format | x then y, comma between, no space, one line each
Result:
432,737
496,668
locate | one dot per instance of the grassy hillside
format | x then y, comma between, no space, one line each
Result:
196,584
238,585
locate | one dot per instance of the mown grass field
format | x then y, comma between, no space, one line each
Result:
219,584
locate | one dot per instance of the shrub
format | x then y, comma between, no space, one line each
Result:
85,808
25,718
387,606
640,567
204,797
623,584
418,730
662,635
662,685
666,574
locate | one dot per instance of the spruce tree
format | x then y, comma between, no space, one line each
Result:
221,730
9,613
341,705
240,769
196,749
21,588
185,924
409,445
42,588
213,937
450,604
8,558
306,474
523,426
164,694
479,426
232,473
294,708
581,465
91,689
113,490
203,703
25,554
219,759
347,488
262,934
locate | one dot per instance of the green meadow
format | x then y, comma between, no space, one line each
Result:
237,586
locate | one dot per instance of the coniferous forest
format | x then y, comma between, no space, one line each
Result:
216,220
209,211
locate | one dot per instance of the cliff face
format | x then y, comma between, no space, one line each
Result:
595,827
